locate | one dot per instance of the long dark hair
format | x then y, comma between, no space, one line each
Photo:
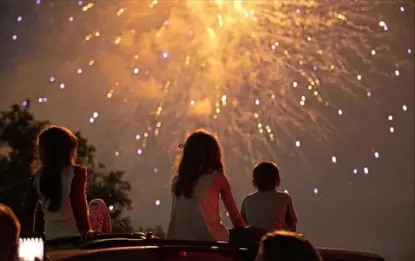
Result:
57,149
201,155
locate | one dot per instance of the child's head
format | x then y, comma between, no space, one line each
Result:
287,246
266,176
10,233
57,145
57,149
201,155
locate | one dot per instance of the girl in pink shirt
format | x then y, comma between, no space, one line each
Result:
59,186
99,216
197,187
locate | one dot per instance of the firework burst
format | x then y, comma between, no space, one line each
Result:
253,71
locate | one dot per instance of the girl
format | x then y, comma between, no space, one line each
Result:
59,186
199,181
99,216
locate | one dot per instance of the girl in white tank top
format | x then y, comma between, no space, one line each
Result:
59,187
198,185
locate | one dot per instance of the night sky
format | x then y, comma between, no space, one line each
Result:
330,100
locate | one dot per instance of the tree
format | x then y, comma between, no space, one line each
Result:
18,132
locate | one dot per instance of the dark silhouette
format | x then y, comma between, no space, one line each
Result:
18,131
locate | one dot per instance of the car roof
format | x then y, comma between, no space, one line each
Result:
133,246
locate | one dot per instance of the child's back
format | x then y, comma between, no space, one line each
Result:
198,185
270,210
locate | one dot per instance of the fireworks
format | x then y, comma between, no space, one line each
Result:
253,71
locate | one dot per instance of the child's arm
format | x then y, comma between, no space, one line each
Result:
226,193
291,217
243,212
79,201
30,206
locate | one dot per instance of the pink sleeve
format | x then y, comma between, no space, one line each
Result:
226,193
79,200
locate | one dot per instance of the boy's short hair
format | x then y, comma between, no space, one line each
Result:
10,230
266,176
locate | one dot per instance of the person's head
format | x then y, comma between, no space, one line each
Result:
287,246
266,176
57,149
10,234
201,155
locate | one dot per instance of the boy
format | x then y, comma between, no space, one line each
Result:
268,208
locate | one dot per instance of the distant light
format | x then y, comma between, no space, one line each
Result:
52,79
38,2
79,71
376,154
366,170
137,137
355,171
165,55
359,77
14,37
44,99
285,191
315,190
95,115
257,102
373,52
340,112
297,143
157,202
91,120
71,19
136,70
404,108
369,94
409,51
24,103
139,151
334,159
111,208
19,19
155,170
298,11
390,117
117,153
80,3
397,73
391,129
192,102
62,86
402,8
295,84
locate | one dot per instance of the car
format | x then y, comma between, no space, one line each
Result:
138,246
